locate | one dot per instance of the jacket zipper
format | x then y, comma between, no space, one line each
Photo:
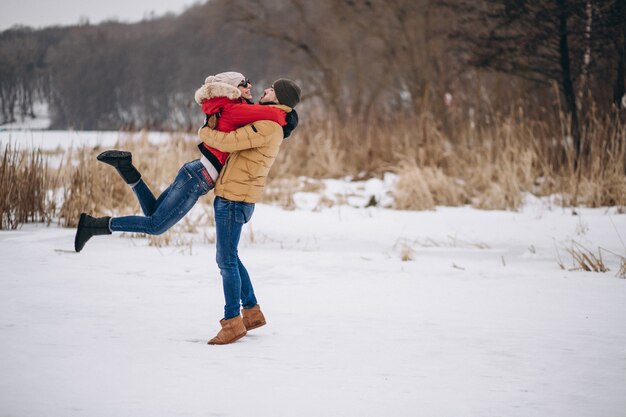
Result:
224,170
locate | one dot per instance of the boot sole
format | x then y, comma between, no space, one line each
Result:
113,155
81,222
122,161
232,341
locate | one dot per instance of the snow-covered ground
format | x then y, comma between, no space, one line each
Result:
480,321
23,123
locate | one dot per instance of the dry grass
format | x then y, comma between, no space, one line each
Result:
622,270
27,188
407,247
585,259
424,188
489,166
280,191
406,253
451,242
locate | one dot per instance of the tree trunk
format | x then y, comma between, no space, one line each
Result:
566,80
584,71
619,89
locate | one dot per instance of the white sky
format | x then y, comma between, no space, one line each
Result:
41,13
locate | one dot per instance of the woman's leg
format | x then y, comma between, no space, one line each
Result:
171,206
146,199
122,161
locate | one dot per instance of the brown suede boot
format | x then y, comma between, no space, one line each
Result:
253,317
232,330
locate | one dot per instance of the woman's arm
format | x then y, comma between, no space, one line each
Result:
243,114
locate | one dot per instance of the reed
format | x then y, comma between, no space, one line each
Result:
489,165
27,188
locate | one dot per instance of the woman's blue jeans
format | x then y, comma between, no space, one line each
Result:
192,182
230,216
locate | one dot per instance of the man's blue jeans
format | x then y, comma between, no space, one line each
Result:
190,184
230,216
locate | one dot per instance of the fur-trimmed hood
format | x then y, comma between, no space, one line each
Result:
216,89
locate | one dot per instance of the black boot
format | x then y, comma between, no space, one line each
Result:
123,162
90,226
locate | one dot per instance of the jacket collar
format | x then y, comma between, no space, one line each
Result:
284,108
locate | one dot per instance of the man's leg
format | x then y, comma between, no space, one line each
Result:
252,315
248,299
228,232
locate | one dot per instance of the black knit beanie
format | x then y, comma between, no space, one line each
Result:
287,92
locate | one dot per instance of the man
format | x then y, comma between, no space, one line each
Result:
253,150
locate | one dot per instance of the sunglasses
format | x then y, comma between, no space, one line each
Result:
244,83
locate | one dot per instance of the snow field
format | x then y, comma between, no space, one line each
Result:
121,328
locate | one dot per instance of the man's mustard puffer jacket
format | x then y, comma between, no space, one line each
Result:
253,150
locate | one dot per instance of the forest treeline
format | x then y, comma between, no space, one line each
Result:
469,102
357,60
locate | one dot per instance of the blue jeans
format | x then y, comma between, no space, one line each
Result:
191,183
230,216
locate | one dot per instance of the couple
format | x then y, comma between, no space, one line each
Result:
240,142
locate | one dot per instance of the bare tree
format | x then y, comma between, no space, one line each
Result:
19,72
533,39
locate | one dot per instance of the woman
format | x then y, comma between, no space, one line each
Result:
224,96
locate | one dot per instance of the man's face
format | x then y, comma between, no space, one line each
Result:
269,96
246,90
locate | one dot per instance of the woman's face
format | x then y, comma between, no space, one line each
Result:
245,88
